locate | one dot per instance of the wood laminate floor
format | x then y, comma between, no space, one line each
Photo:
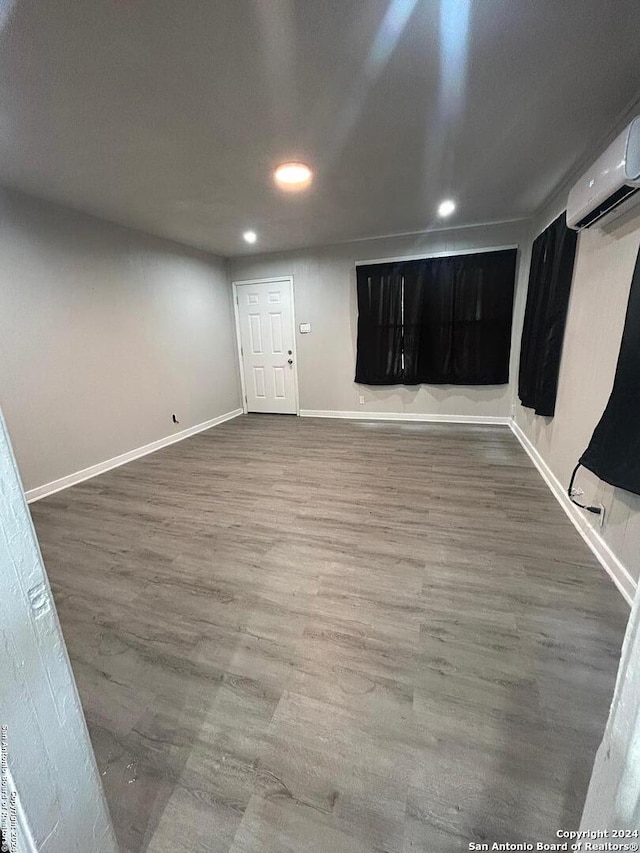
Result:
333,636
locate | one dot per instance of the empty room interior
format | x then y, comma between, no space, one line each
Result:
320,426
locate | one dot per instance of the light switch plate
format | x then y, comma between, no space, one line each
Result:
305,328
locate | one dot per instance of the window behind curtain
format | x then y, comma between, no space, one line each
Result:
455,320
380,347
614,450
552,259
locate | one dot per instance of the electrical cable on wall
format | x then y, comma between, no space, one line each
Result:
596,510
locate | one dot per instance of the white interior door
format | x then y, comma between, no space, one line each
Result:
265,319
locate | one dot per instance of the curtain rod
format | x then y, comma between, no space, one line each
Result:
426,256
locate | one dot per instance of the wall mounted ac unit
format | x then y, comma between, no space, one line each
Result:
611,186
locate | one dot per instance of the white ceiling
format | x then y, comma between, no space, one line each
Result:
169,115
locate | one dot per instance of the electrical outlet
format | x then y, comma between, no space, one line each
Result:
361,399
577,492
601,516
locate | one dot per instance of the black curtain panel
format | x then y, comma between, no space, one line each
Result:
552,260
613,453
483,314
437,321
429,291
379,348
457,313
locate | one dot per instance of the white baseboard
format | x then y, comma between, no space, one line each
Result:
605,556
405,416
87,473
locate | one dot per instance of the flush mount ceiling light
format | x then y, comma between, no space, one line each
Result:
446,208
250,236
293,176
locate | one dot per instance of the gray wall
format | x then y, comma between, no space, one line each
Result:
599,295
104,333
325,296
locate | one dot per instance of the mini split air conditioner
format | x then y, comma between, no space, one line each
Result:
611,186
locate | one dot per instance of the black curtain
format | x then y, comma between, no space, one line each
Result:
614,450
552,259
379,357
458,313
444,321
429,303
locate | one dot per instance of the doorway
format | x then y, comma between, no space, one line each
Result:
265,326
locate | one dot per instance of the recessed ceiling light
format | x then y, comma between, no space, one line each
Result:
250,236
293,175
446,208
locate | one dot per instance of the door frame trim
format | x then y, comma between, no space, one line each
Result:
236,305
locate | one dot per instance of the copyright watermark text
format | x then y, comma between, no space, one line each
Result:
585,841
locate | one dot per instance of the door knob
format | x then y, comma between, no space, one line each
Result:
290,361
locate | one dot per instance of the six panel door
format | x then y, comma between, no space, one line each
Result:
265,313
